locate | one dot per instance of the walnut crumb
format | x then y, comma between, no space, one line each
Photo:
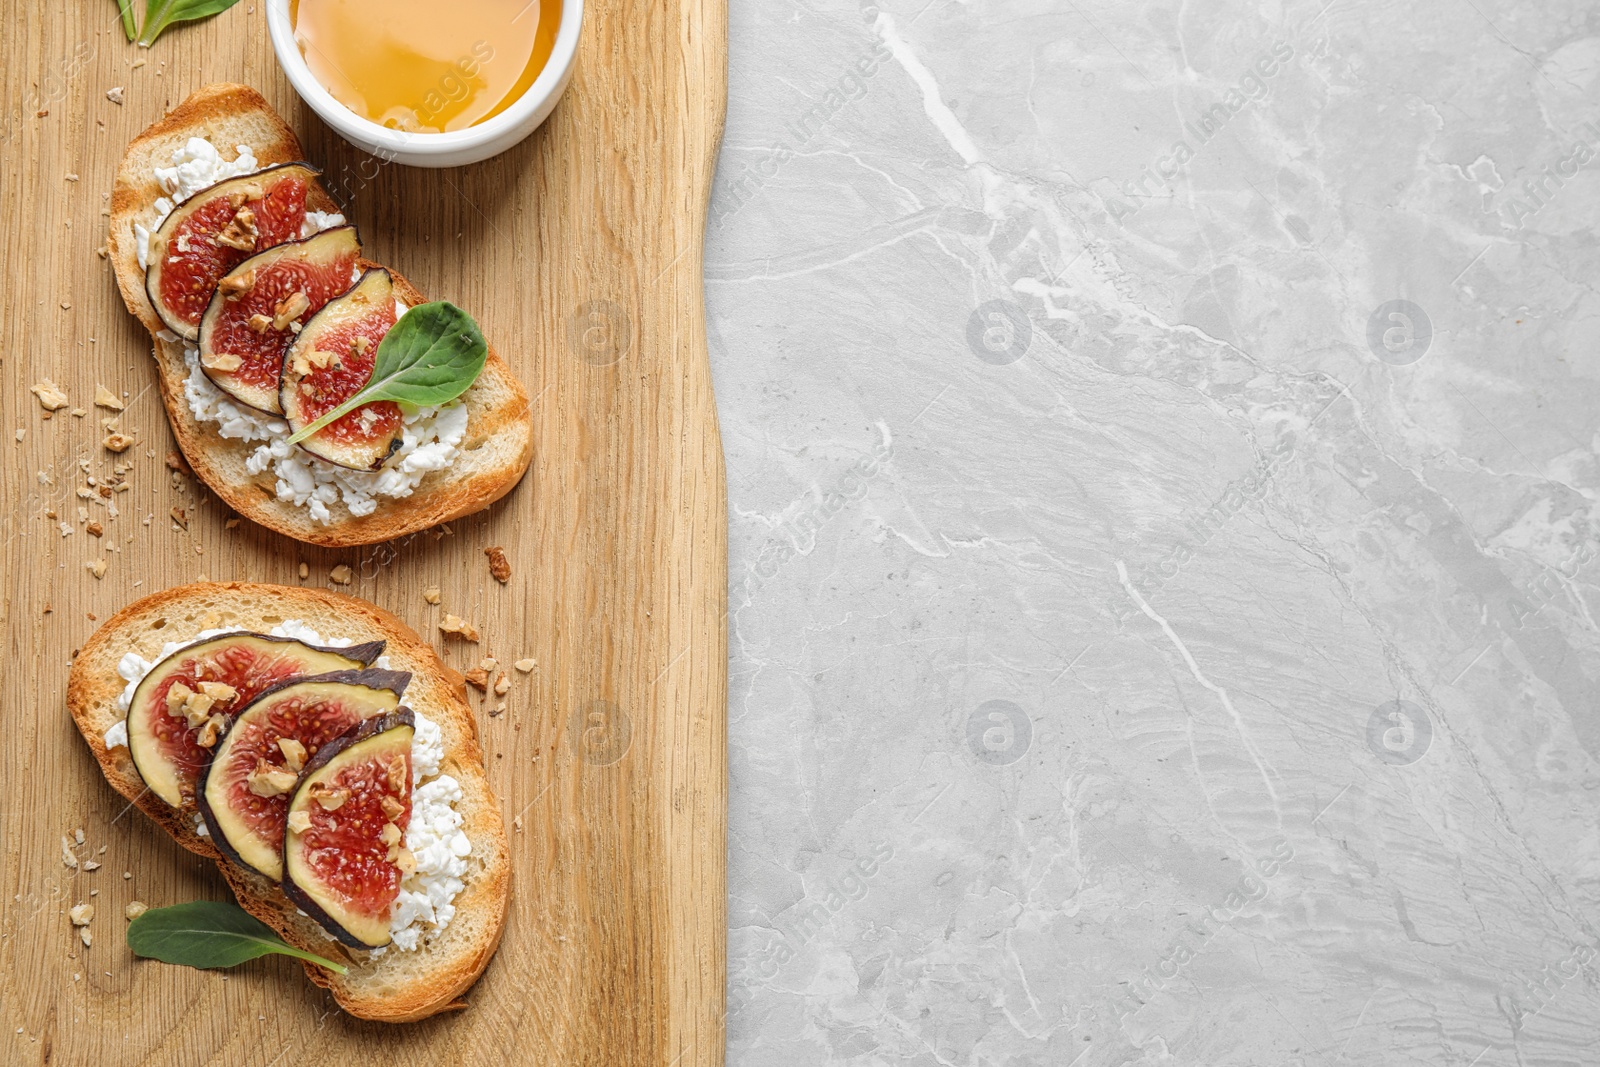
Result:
85,936
176,462
115,94
105,398
135,909
97,568
117,442
340,575
94,529
179,516
431,594
502,685
299,821
488,663
525,665
51,398
454,624
81,914
499,566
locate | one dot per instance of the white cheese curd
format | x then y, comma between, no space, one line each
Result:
317,221
427,896
430,440
195,165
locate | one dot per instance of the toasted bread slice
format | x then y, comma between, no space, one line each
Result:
499,441
396,986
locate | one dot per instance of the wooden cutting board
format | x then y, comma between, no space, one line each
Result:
580,254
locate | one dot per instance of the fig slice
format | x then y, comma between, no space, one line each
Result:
254,770
330,362
208,234
260,305
167,725
344,854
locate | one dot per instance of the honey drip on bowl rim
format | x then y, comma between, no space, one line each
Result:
423,65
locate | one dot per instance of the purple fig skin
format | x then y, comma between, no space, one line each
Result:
362,731
394,681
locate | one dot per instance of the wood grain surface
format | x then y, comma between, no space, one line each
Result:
580,254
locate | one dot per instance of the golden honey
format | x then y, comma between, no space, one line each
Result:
423,65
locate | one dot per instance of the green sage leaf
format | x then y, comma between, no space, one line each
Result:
430,357
159,14
210,934
125,8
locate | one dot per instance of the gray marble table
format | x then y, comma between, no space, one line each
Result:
1161,452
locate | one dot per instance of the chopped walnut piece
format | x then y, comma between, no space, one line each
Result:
330,799
390,834
196,709
177,693
97,568
361,344
117,442
179,516
431,594
299,821
399,774
269,781
454,624
294,753
81,914
225,362
85,936
502,685
488,663
51,398
135,909
259,323
105,398
289,310
392,808
221,692
478,678
525,665
94,529
499,566
210,731
403,859
241,232
340,575
234,284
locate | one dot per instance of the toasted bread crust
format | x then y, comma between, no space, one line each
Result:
397,986
499,442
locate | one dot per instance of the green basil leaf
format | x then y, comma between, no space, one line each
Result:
125,7
428,358
210,934
159,14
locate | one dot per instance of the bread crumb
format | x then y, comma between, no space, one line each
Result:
454,624
94,529
431,594
305,570
516,824
135,909
114,94
51,398
340,575
179,516
79,413
525,665
81,914
105,398
90,865
68,860
85,936
478,678
176,462
499,566
502,684
488,663
97,568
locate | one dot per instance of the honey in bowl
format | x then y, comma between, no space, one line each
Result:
423,66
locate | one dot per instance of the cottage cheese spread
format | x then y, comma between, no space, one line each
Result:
427,896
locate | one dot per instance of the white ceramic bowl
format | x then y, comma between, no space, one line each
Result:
433,149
